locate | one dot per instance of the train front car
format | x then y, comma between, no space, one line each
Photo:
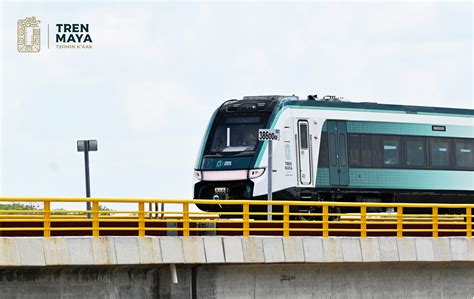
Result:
334,150
225,167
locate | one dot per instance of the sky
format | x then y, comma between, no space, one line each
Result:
157,70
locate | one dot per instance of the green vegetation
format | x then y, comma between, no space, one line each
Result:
19,206
34,207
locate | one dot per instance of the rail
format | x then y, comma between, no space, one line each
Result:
235,217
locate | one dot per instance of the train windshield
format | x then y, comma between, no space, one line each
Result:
235,135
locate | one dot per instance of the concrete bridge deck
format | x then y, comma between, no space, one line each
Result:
236,267
107,251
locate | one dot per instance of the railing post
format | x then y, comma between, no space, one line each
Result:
469,222
363,221
246,217
286,220
399,222
185,219
47,219
325,221
141,219
95,218
435,221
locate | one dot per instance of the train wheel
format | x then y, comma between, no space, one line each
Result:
309,217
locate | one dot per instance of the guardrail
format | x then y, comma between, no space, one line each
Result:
236,217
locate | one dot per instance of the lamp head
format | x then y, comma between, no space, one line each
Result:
86,145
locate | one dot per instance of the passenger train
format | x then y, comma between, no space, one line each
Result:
334,150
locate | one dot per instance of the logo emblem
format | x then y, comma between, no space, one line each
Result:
219,163
28,35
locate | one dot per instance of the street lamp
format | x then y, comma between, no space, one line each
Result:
86,146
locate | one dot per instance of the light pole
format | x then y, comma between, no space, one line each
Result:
86,146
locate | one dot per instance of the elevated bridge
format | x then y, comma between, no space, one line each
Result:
247,218
183,253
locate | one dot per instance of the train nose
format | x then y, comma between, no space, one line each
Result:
224,189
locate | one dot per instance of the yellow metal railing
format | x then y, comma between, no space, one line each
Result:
237,217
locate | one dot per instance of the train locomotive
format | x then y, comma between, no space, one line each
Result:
335,150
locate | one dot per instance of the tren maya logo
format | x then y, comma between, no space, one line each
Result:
74,36
28,35
59,36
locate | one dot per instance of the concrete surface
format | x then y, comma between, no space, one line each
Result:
340,280
233,250
236,267
273,250
81,251
79,282
252,250
317,280
214,250
294,250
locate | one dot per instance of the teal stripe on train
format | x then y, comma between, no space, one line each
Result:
378,108
197,165
322,177
408,129
411,179
415,179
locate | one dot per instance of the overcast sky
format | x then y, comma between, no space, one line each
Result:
157,71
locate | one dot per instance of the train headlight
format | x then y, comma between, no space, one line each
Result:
198,175
255,173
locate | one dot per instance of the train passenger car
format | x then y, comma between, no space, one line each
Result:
333,150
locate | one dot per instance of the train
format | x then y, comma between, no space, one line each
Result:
336,150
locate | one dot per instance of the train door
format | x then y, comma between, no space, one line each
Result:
338,162
304,152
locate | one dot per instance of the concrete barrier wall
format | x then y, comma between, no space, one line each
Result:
79,282
316,280
82,251
235,267
338,280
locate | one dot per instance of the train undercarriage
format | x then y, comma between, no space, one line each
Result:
243,190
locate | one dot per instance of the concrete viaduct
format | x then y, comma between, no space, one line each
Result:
236,267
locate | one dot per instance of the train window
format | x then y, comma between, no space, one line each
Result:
323,151
342,150
391,151
376,151
303,135
464,153
287,134
332,146
354,150
440,152
415,152
365,151
234,135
